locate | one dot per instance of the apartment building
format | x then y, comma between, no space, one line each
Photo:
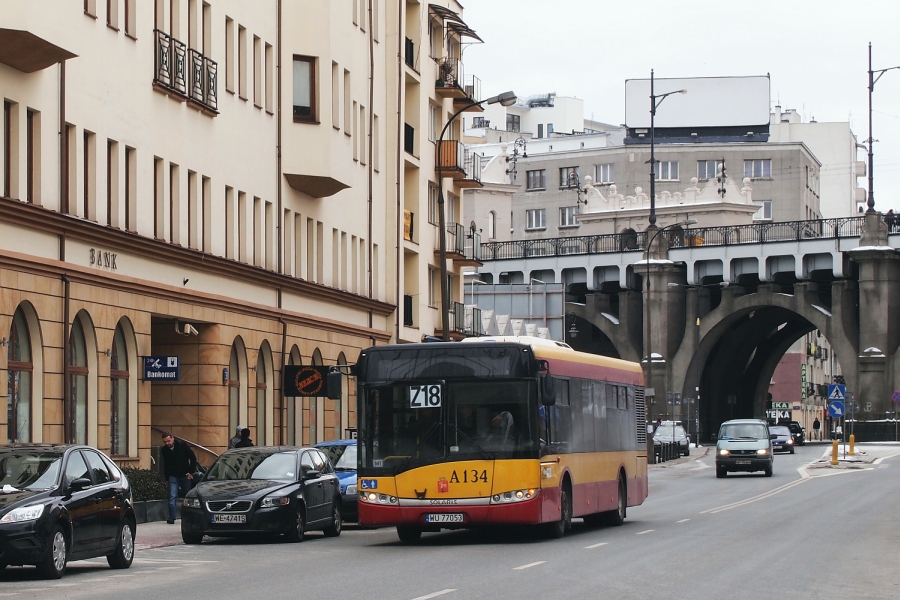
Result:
202,180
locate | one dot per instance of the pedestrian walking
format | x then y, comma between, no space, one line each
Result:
237,437
245,441
179,462
816,426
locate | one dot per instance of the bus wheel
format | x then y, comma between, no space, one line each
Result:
559,528
617,517
409,535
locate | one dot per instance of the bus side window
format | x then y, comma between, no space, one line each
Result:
561,419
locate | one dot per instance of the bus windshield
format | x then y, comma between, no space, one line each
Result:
408,424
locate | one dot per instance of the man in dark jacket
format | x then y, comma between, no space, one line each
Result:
245,441
179,462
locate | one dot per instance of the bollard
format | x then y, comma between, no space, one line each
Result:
834,452
852,441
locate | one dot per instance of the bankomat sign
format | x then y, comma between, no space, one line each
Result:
161,368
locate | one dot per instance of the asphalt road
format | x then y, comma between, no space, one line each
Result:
803,533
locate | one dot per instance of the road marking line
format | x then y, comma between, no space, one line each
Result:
434,595
65,585
529,565
752,499
595,545
2,594
171,560
683,521
643,532
168,568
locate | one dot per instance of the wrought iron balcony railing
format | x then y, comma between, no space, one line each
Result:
171,63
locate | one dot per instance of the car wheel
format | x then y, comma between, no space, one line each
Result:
53,563
792,449
617,517
559,528
298,530
337,522
123,555
408,535
768,471
687,451
191,539
721,472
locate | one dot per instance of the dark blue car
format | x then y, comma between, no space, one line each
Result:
342,454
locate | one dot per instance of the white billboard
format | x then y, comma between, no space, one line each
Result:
709,102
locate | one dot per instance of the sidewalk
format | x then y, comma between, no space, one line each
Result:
864,454
157,534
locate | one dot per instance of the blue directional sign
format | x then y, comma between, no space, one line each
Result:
836,409
837,391
161,368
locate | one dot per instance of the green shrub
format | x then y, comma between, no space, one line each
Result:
146,484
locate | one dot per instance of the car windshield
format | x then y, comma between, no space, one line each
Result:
746,431
34,470
666,431
780,430
279,466
342,456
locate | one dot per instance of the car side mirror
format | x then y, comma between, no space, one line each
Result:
773,436
713,437
76,485
312,474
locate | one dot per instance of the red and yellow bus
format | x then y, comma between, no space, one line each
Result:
497,431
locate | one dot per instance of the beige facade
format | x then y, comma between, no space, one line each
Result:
215,181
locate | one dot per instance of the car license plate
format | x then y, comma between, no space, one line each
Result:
229,518
444,518
742,462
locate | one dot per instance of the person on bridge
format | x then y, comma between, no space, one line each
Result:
816,426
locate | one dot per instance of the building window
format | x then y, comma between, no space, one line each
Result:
77,384
480,123
708,169
19,375
606,173
433,205
513,123
765,211
305,89
549,129
118,400
668,170
434,123
567,216
758,168
492,225
433,290
568,176
233,380
540,132
536,218
537,180
261,439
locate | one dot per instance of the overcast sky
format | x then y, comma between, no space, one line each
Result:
816,52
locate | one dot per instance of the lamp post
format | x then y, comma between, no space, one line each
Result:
505,99
651,238
655,101
870,203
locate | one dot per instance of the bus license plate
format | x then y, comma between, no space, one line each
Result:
444,518
229,518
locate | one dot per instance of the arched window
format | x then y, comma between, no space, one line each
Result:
492,225
294,408
20,370
317,409
78,384
234,390
118,400
261,422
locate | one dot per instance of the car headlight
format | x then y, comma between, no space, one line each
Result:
351,489
790,441
724,452
270,501
23,513
762,451
191,503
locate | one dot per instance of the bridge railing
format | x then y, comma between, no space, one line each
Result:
757,233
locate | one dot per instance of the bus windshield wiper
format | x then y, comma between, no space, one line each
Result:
484,452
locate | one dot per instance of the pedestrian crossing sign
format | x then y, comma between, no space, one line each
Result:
837,391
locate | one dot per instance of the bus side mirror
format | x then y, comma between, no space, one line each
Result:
548,394
334,385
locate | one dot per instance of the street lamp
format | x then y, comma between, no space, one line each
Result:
655,101
870,203
650,241
504,99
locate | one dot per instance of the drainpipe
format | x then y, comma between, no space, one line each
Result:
279,225
284,411
371,170
398,240
63,146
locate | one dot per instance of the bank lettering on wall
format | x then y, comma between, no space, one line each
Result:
103,259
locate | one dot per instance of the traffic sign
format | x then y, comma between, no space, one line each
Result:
837,391
895,397
836,409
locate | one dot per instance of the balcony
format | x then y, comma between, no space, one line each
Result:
473,326
472,171
450,81
450,160
409,139
408,311
463,246
171,62
28,52
472,97
409,224
409,53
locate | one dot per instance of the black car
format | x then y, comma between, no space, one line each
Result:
797,432
669,432
782,440
260,490
60,503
